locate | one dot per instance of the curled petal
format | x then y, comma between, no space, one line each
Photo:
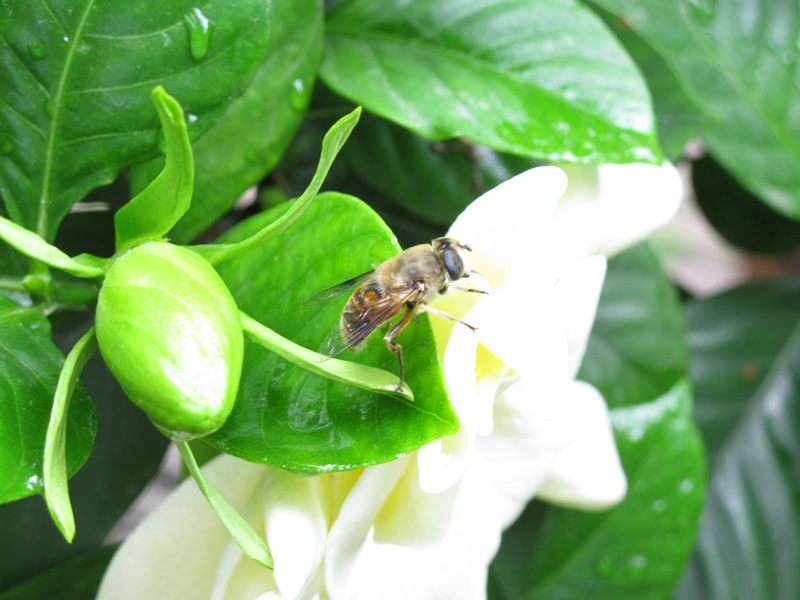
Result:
588,474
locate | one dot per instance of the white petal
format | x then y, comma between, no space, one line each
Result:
175,551
588,474
635,200
503,225
577,295
456,568
361,505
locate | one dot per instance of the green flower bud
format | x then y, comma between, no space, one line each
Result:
170,332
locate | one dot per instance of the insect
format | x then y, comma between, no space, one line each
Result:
402,284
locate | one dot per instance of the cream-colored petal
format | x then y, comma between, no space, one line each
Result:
588,474
634,200
577,294
456,569
504,224
351,527
161,557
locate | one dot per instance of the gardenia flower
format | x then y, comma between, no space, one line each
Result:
427,525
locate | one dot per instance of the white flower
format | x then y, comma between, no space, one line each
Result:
427,525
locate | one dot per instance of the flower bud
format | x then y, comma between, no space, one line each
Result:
170,332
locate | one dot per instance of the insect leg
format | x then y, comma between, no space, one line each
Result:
440,313
396,348
471,290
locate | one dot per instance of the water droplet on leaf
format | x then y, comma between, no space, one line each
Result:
200,29
49,107
37,50
297,97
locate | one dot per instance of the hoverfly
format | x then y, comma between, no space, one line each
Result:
404,283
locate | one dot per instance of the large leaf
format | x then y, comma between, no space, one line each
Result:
745,360
127,452
638,549
291,419
737,60
635,551
637,349
75,83
255,132
541,78
29,369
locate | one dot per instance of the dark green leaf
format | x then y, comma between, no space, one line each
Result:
737,60
76,579
249,141
29,371
75,80
289,418
153,212
739,216
635,551
637,349
540,78
435,181
127,452
745,362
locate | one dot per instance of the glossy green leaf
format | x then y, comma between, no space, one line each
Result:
635,551
332,143
241,531
433,180
75,81
737,60
745,361
126,454
540,78
637,349
29,371
289,418
55,474
153,212
739,216
258,127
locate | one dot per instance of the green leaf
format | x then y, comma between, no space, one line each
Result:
737,60
75,81
29,371
739,216
240,530
745,361
76,579
151,214
636,550
361,376
32,245
258,127
637,349
435,181
331,145
289,418
540,78
55,475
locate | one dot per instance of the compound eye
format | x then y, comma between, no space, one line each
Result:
453,263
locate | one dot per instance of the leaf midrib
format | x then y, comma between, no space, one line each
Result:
57,99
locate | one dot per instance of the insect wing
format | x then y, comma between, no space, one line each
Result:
337,290
380,309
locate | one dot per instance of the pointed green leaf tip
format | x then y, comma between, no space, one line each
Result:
151,214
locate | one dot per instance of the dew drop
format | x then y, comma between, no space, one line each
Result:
297,97
200,29
37,50
49,107
687,485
